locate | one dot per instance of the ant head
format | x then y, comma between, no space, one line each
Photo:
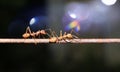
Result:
69,36
26,35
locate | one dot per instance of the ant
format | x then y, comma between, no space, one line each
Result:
28,33
65,37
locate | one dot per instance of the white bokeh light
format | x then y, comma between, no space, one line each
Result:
32,21
109,2
72,15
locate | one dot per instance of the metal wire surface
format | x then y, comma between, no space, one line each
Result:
86,40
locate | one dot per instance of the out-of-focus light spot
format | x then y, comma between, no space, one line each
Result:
72,15
38,22
109,2
77,11
32,21
74,25
78,28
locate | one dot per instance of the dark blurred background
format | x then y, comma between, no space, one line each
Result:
89,18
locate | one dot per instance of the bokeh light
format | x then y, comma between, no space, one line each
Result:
75,13
38,22
72,15
77,10
89,14
109,2
32,21
73,25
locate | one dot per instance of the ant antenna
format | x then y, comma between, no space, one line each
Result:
55,34
48,35
71,31
64,33
60,33
28,30
75,33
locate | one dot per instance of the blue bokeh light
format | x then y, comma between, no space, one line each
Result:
32,21
38,22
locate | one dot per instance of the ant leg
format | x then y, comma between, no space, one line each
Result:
56,37
51,33
33,36
55,34
42,36
75,36
60,37
48,29
38,36
48,35
73,39
64,38
64,33
71,31
75,33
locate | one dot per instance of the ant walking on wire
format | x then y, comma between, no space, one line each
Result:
38,33
66,37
